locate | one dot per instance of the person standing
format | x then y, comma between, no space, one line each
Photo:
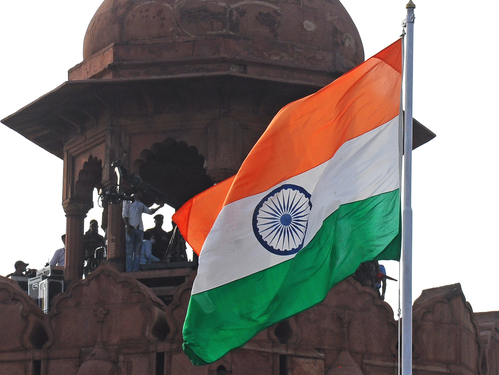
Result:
94,247
59,258
161,237
132,216
381,282
92,239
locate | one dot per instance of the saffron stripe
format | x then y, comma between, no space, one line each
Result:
348,177
354,104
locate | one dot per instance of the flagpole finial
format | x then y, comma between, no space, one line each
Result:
410,4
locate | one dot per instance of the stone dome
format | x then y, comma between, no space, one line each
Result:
262,29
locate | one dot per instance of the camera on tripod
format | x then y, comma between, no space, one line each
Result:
113,196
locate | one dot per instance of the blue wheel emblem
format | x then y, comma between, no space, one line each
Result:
280,220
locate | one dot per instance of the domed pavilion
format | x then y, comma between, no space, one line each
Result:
179,91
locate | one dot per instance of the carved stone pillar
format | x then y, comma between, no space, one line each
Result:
75,216
225,148
116,252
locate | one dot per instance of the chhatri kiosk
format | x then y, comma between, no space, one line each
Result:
179,92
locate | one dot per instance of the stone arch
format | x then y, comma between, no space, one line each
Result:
283,331
221,367
76,208
89,177
175,168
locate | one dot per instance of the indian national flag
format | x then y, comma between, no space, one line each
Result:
316,196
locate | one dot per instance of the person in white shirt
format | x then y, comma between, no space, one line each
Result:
59,258
132,215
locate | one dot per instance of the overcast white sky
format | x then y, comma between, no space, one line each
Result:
455,95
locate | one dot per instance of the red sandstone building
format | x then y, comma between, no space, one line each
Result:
180,92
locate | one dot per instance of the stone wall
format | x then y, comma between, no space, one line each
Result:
110,323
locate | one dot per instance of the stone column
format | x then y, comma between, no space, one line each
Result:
75,216
116,252
224,148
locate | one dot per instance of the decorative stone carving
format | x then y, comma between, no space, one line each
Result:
344,365
444,330
488,323
134,314
177,310
350,317
99,361
21,322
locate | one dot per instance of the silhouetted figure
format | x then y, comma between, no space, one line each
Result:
161,237
367,274
94,247
20,267
373,274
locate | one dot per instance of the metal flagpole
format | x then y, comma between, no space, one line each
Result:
407,211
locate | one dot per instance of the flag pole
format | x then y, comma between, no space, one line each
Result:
407,211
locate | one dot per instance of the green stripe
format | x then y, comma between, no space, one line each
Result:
227,317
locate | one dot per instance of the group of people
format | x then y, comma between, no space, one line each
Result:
150,246
155,245
142,247
58,259
92,242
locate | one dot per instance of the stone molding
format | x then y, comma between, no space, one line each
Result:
21,325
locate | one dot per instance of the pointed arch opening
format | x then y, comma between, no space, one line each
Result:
175,168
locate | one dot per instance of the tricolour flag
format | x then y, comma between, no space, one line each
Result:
316,196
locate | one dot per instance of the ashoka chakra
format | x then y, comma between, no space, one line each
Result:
280,220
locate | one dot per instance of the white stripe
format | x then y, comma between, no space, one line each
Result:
363,167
